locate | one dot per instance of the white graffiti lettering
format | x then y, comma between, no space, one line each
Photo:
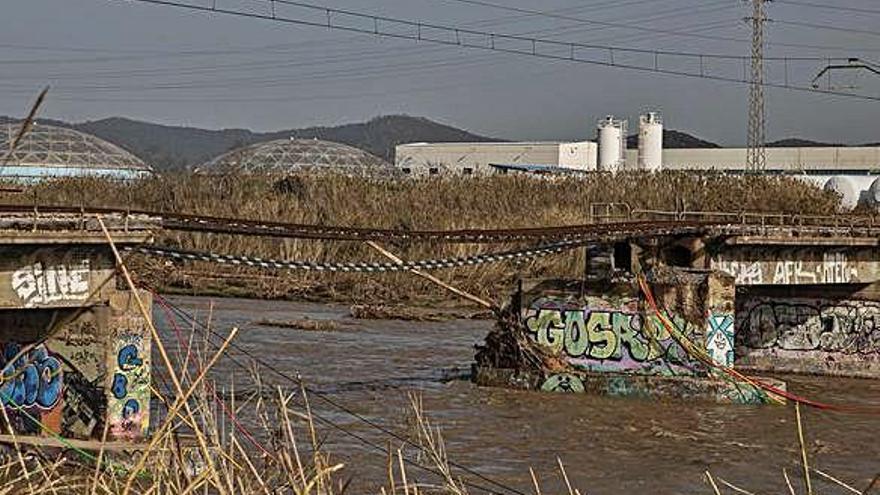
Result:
833,268
38,284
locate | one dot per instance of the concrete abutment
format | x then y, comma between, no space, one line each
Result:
605,337
74,345
762,304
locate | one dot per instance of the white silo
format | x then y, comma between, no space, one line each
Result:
612,143
873,195
650,142
842,186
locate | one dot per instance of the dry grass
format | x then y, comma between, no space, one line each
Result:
226,464
433,203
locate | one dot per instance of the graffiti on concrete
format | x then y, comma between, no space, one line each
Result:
605,339
83,406
32,387
789,268
33,380
849,327
564,382
129,387
43,282
745,272
719,338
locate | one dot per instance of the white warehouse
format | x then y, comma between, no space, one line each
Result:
834,160
484,158
850,171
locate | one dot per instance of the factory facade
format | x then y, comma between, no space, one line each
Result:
850,171
485,158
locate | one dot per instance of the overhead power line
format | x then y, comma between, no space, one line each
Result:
671,32
271,49
828,27
829,6
581,20
423,31
475,39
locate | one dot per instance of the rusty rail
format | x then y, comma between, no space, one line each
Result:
759,218
609,220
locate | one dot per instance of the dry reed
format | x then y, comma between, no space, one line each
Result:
431,203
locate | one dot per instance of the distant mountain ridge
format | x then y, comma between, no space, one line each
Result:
177,147
674,139
801,143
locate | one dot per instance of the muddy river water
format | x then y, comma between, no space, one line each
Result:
608,445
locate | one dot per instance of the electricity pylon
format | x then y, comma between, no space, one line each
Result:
756,159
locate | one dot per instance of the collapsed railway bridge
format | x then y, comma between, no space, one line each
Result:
670,304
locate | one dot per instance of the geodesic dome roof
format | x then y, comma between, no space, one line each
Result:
291,155
46,146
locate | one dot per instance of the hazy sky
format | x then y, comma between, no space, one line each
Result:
113,57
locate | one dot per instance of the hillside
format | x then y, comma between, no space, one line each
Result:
173,147
674,139
800,143
177,147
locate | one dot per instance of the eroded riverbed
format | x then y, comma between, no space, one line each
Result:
608,445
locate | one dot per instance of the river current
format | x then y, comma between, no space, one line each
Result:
607,445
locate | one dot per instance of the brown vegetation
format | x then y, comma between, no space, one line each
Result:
406,313
306,324
435,203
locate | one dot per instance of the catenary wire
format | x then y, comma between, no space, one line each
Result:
492,39
829,6
827,27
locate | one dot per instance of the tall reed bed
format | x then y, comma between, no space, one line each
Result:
431,203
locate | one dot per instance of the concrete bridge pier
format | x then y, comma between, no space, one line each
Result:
74,346
830,329
804,304
604,337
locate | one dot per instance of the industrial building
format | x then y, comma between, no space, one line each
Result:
850,171
485,158
284,156
50,152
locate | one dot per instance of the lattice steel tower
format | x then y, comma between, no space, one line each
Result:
756,159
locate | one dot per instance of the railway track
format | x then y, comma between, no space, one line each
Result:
655,223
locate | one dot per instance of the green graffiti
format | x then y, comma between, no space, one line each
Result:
549,330
625,328
610,340
563,383
576,335
603,340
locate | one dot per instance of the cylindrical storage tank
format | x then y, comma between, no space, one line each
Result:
873,198
849,197
611,143
650,142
